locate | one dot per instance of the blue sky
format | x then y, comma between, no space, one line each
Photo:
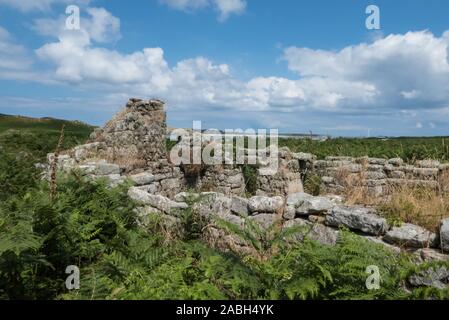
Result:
298,66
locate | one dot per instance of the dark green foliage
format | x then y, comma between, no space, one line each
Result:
84,221
250,176
93,227
410,149
312,184
17,174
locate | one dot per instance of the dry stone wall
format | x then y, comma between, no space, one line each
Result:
378,176
135,137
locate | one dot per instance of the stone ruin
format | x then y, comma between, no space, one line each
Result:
379,176
133,146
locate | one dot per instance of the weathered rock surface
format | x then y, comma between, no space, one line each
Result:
143,178
303,204
158,202
357,218
261,204
212,204
430,255
239,206
411,236
444,235
435,278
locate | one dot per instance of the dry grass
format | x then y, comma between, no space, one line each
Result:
416,205
355,188
408,203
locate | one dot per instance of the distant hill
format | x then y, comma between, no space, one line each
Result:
39,136
8,122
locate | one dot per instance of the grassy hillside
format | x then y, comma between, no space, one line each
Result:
39,136
8,122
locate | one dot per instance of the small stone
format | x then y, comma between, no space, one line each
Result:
143,178
103,169
317,232
444,235
239,206
412,236
265,204
396,162
357,218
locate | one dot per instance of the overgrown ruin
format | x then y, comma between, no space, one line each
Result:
133,146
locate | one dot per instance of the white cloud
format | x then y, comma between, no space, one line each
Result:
12,55
225,8
361,79
186,5
100,26
404,71
228,7
399,78
39,5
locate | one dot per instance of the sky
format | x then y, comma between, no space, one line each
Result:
294,65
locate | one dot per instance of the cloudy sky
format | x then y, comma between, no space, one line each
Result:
295,65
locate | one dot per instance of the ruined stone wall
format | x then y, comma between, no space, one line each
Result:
288,179
133,145
227,179
378,176
135,137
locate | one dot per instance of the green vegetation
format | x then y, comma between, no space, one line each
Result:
38,137
94,227
409,149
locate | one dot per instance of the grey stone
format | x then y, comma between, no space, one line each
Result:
139,196
435,278
428,163
412,236
233,219
444,234
262,204
186,197
291,203
103,169
212,203
158,202
84,151
430,255
143,178
303,156
357,218
239,206
373,175
313,205
396,162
